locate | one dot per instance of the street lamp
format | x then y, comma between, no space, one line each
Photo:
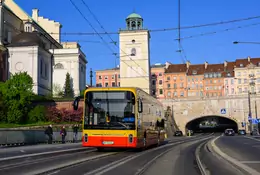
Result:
243,42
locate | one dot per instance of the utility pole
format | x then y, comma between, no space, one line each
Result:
91,76
250,112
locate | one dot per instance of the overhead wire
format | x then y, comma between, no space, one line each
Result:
76,7
114,42
163,29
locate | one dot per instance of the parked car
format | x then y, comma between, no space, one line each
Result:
178,133
229,132
241,132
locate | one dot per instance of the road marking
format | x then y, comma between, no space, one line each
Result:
117,163
232,160
22,151
246,143
256,146
250,162
252,138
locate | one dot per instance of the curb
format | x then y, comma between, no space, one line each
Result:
233,161
202,168
45,154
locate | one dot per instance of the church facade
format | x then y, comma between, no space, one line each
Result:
26,45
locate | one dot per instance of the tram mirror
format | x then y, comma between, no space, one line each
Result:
140,106
162,123
75,103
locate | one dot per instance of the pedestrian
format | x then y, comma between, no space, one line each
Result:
75,133
49,133
63,134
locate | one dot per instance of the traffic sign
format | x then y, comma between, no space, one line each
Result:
223,111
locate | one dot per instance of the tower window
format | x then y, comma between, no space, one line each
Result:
133,52
133,41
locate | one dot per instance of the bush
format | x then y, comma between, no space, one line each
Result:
71,115
53,115
64,115
37,114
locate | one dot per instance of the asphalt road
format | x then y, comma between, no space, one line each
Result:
244,149
127,163
88,161
24,150
34,149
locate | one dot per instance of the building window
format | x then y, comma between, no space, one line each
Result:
175,94
106,84
232,81
133,52
58,66
41,67
118,76
245,81
181,85
160,82
239,74
100,77
239,81
168,78
113,84
106,77
119,84
113,77
99,85
175,86
169,94
160,74
153,82
46,70
161,91
182,94
168,85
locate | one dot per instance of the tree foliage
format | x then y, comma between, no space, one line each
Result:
17,93
68,89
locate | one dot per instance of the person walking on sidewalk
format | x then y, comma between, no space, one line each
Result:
75,133
63,134
49,133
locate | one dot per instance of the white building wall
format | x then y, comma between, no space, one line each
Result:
28,59
72,61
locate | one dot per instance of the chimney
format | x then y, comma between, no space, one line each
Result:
187,64
167,64
248,59
225,64
206,65
35,13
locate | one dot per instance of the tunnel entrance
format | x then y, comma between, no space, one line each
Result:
211,124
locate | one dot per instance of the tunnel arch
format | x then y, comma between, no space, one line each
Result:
211,123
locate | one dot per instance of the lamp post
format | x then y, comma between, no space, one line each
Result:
252,83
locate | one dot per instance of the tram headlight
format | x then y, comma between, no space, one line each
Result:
130,138
86,138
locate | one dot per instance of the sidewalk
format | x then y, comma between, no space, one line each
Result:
25,150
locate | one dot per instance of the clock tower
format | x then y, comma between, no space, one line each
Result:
135,54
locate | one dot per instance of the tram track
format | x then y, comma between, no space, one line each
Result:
111,164
67,162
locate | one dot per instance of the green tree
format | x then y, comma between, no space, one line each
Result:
17,95
68,89
2,106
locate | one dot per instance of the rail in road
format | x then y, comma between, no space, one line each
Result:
89,161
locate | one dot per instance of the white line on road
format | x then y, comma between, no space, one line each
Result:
252,138
250,162
232,160
22,151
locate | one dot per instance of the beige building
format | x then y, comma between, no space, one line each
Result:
247,75
135,54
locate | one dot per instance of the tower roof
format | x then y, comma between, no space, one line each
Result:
134,15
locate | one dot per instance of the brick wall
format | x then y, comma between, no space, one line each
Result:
59,104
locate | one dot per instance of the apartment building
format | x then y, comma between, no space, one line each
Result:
173,81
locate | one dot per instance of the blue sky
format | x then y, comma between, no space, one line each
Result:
159,15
